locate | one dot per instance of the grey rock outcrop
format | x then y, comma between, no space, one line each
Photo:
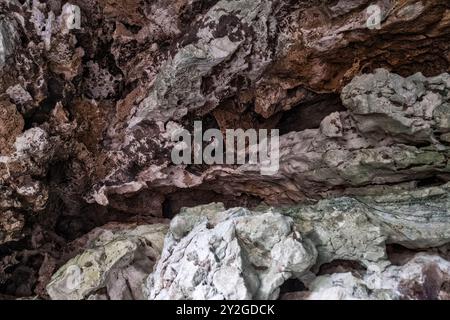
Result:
331,224
423,277
117,261
190,263
212,253
414,109
337,286
416,219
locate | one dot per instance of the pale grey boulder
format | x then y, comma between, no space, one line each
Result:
340,229
213,253
117,261
424,277
409,109
416,219
337,286
357,228
250,245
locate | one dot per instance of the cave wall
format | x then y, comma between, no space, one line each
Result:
88,104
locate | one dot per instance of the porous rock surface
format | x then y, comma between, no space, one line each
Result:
425,276
115,260
91,92
214,253
415,219
233,255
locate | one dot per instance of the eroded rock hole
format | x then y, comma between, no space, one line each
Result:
292,285
341,266
309,115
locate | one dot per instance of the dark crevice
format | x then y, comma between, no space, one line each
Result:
292,285
342,266
430,182
167,211
310,115
195,197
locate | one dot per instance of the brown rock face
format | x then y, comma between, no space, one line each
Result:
91,92
11,124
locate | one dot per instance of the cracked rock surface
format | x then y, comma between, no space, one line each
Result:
214,253
115,260
92,91
423,277
233,255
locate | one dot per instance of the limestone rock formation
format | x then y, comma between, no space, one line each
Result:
204,242
423,277
394,128
93,91
116,261
233,254
415,219
214,253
